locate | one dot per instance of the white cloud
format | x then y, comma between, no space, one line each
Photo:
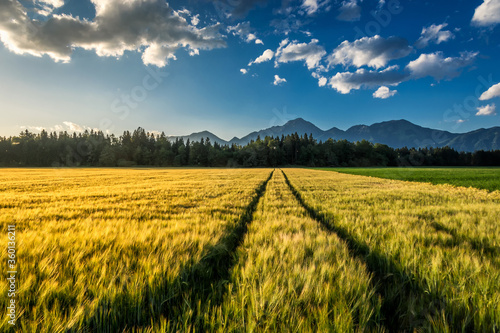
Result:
184,11
266,56
362,78
150,27
53,3
243,30
251,37
195,19
487,110
350,11
312,6
158,55
435,34
374,52
311,53
488,13
67,126
438,67
243,71
493,92
278,80
46,7
73,127
322,81
384,92
192,52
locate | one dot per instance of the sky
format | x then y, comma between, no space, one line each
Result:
235,66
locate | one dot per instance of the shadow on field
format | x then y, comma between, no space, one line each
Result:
204,284
480,245
183,301
406,307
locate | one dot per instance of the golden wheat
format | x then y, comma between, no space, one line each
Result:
157,250
101,249
441,242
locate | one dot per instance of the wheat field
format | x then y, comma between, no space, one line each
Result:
248,250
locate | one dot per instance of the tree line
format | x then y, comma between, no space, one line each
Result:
94,148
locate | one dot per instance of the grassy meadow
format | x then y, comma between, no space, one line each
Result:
483,178
248,250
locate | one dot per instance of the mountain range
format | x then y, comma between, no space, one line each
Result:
394,133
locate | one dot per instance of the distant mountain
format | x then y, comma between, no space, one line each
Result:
399,133
394,133
481,139
298,125
198,136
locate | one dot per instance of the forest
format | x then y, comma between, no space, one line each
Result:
141,148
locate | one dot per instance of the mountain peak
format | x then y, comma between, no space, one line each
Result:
302,124
298,121
394,133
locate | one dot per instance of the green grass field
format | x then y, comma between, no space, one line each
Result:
483,178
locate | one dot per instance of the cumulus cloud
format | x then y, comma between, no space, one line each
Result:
266,56
53,3
493,92
195,19
243,71
73,126
278,80
438,67
243,30
313,6
147,26
311,53
434,65
322,81
46,7
159,55
362,78
487,14
384,92
66,126
374,52
434,34
487,110
349,11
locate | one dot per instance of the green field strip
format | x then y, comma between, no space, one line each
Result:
294,276
481,178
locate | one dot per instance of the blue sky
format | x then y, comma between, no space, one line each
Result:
235,66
